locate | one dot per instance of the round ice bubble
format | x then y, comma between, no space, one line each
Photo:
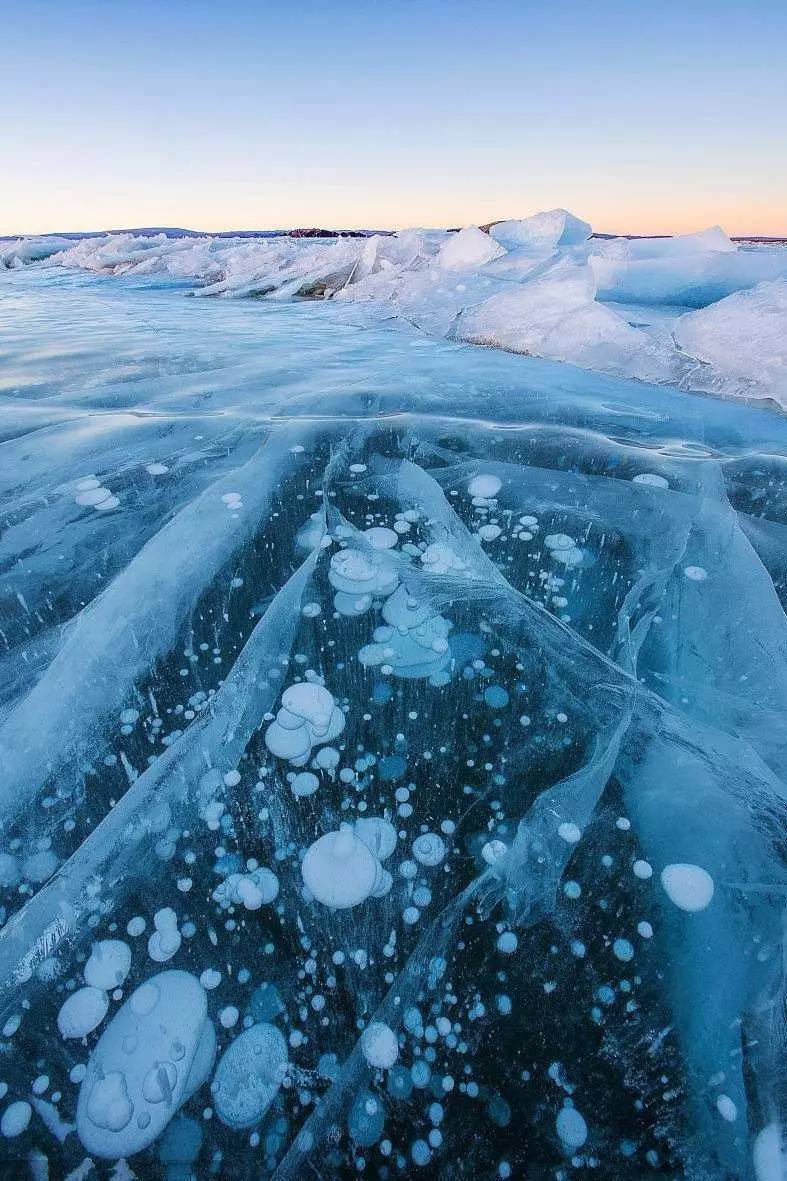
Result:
366,1119
249,1075
439,558
39,866
82,1012
356,572
558,541
352,605
9,870
286,743
496,697
381,538
493,851
485,486
92,497
327,759
312,703
155,1053
15,1119
304,784
339,870
267,883
166,939
108,965
378,834
383,884
379,1045
568,557
688,886
429,849
571,1128
308,717
652,479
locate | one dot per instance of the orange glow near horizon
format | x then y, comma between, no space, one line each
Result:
345,114
33,216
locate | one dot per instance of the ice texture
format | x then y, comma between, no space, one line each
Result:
541,285
743,336
394,777
249,1075
543,231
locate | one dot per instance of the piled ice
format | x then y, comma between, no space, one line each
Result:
743,336
540,285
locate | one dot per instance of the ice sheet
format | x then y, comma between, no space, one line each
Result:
504,894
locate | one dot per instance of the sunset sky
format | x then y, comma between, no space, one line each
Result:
639,118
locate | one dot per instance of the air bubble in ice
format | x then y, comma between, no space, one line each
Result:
690,887
339,870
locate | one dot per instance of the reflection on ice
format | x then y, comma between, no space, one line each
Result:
393,781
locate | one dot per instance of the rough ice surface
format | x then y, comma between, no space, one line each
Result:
540,285
393,771
744,335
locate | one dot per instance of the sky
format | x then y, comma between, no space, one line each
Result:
231,114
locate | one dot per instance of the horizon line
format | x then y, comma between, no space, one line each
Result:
316,231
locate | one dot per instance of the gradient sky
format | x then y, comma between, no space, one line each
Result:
640,117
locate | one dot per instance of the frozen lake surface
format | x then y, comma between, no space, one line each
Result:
392,753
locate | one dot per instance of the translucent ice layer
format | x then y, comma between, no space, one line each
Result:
541,285
393,776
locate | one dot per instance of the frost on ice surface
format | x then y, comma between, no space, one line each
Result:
393,781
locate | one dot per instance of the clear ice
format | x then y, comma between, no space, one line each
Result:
392,737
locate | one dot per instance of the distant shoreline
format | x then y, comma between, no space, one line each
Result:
314,232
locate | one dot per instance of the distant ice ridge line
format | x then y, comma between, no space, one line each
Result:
694,311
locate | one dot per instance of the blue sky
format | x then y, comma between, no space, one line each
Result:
638,117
